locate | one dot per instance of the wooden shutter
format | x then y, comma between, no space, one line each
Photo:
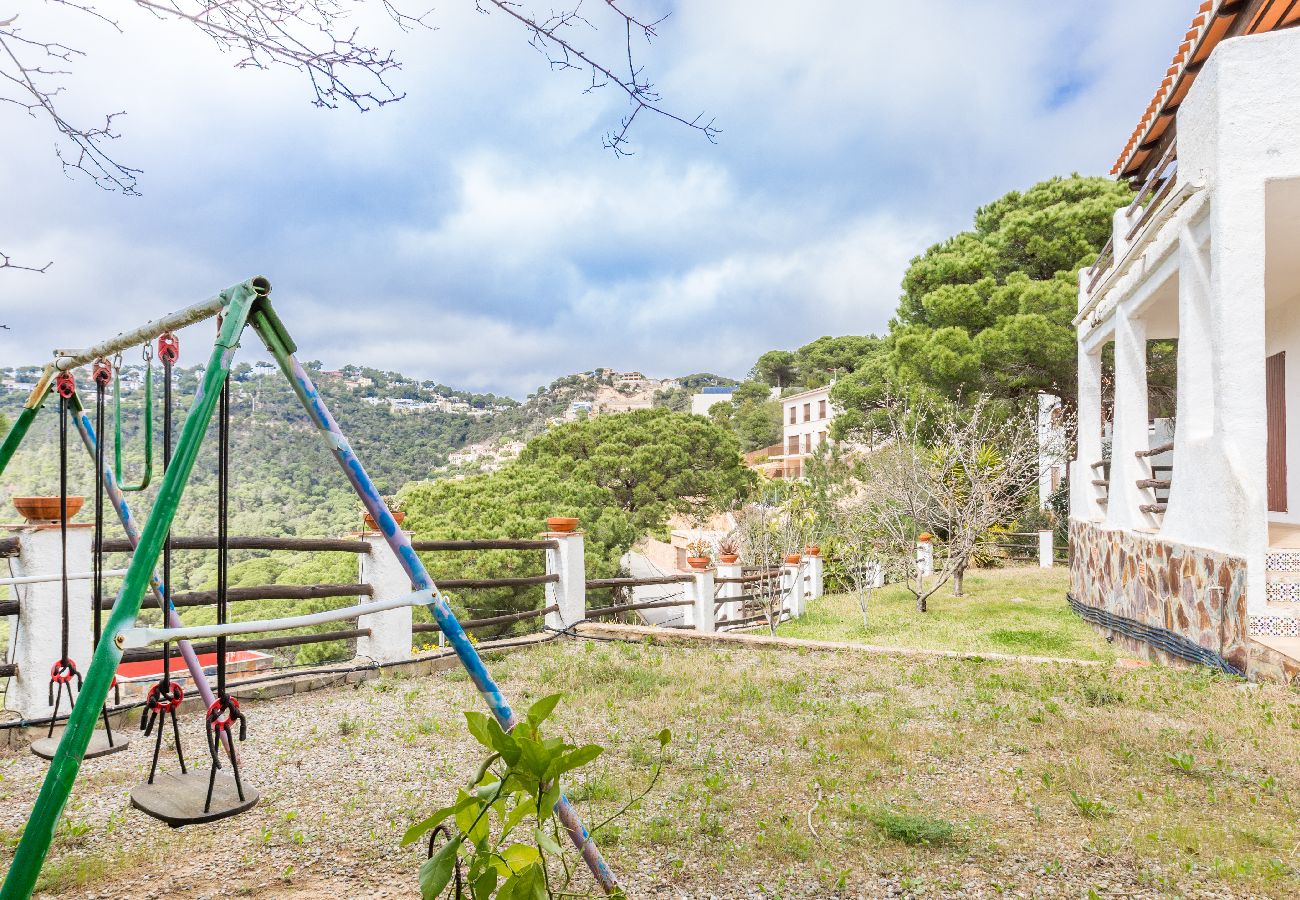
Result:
1275,393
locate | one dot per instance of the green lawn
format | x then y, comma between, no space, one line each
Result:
1013,610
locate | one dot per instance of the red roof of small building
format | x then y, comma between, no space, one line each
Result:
1214,21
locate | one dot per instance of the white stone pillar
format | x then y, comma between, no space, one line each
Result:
570,592
1084,495
816,577
35,643
1131,429
390,630
730,610
794,592
702,594
925,558
1046,553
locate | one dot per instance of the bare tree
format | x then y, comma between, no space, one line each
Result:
955,471
312,37
858,542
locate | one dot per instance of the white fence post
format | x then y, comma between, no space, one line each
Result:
390,630
732,609
570,592
816,577
35,633
794,592
1045,550
702,588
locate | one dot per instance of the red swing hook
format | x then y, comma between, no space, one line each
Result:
66,385
223,715
157,701
102,372
169,347
63,671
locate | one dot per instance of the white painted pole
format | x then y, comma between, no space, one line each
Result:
732,608
1045,550
390,631
568,561
702,594
74,576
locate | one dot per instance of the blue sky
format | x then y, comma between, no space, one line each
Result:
477,233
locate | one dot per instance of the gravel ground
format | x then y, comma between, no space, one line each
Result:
777,759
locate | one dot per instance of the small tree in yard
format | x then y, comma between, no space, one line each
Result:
857,546
954,470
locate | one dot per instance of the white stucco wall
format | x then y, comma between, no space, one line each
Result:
1238,128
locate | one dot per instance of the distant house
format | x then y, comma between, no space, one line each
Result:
806,422
704,400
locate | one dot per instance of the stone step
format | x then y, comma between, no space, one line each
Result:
1153,507
1097,482
1155,484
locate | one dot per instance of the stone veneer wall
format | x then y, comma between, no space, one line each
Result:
1199,594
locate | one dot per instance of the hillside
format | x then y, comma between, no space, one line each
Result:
284,480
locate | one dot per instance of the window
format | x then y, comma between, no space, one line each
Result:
793,411
821,438
807,412
807,443
821,409
792,444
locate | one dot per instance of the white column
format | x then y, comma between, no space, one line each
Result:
732,609
570,592
816,577
794,592
702,594
1131,426
390,630
1083,494
34,643
1045,550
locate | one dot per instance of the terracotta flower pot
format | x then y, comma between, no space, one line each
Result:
812,550
398,517
793,558
925,536
697,562
728,559
562,524
45,509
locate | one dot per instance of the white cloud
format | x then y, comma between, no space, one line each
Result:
477,233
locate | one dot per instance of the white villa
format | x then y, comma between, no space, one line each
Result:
1185,534
806,423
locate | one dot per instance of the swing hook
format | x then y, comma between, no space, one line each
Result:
169,348
102,372
66,385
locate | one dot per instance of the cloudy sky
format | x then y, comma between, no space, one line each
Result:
477,232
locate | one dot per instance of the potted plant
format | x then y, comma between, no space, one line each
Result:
562,524
729,551
394,507
697,554
812,550
45,509
793,558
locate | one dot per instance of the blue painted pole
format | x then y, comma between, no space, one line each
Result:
277,342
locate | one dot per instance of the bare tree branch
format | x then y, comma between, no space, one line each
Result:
550,36
7,263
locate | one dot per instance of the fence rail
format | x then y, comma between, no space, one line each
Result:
632,607
204,542
493,544
425,627
263,592
594,583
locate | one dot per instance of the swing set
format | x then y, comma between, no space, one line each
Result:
191,796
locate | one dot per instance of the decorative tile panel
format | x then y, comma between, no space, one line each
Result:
1275,626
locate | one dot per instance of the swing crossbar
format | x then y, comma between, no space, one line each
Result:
143,637
71,359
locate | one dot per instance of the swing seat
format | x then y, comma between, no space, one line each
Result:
99,746
178,799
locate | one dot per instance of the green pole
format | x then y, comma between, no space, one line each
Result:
18,431
35,842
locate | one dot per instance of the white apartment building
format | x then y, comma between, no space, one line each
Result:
806,424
